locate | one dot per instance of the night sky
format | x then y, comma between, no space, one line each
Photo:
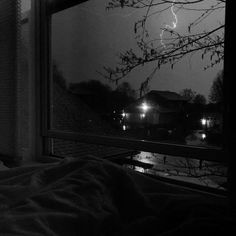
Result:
87,37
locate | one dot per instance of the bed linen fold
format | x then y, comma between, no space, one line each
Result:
91,196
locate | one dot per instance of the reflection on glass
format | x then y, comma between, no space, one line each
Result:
172,100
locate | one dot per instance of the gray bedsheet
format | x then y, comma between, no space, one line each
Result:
90,196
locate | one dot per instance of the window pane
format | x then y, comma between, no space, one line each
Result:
157,79
208,174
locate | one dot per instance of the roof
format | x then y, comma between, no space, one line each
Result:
81,91
167,95
158,97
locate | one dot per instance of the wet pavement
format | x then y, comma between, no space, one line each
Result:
185,169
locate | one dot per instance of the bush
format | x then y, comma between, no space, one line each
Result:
159,133
214,138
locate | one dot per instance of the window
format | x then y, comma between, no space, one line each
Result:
168,109
156,110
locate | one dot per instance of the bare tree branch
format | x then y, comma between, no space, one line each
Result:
210,43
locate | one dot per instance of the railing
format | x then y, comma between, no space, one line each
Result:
196,152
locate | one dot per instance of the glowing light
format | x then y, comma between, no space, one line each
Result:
203,121
144,107
139,169
123,114
209,123
203,136
174,24
142,115
124,127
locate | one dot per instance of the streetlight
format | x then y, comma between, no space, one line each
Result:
203,136
145,107
142,115
204,121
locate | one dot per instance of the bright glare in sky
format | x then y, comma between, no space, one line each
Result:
145,107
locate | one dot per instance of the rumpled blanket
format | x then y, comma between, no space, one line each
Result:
90,196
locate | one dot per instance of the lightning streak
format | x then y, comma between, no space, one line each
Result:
174,24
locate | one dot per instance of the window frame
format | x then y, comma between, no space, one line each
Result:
44,10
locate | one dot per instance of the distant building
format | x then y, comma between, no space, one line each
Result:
212,120
156,108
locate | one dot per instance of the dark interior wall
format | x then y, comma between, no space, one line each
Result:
9,28
23,88
59,5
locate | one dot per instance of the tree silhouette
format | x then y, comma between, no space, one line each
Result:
126,89
216,92
58,76
189,94
94,87
101,97
210,43
122,96
199,99
94,93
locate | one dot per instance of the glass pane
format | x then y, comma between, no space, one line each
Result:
152,73
205,173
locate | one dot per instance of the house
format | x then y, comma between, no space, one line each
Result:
156,108
212,120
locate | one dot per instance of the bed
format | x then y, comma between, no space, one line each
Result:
91,196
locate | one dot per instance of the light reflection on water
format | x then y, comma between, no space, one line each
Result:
183,169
